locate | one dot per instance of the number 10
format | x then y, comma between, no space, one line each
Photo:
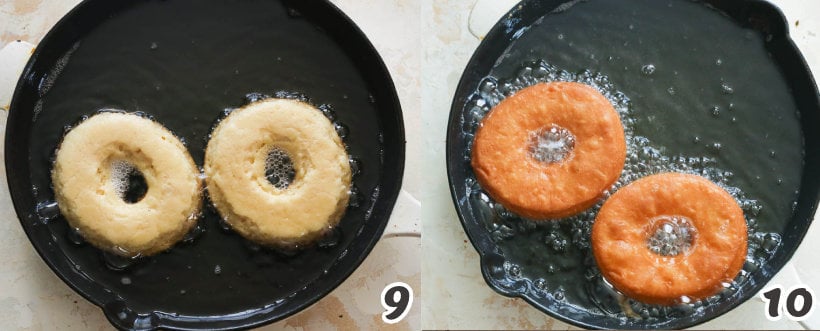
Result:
794,311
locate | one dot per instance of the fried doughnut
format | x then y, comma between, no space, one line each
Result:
238,155
550,150
90,179
670,238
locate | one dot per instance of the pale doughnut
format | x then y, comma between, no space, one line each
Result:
629,218
91,201
235,162
504,164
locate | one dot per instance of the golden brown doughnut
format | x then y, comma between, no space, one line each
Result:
573,121
698,212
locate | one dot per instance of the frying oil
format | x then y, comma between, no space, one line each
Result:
279,171
552,256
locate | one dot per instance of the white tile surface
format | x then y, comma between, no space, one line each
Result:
33,298
455,295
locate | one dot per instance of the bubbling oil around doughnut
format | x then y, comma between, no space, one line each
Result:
565,242
280,171
129,184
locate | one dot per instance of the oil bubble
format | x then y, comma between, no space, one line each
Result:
116,262
330,239
194,233
341,130
512,269
279,169
47,210
328,111
127,181
715,111
670,236
726,88
551,145
75,236
355,166
559,294
540,284
225,226
356,199
648,69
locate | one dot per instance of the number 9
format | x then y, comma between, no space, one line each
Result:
397,298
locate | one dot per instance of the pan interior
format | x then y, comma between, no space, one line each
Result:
716,102
183,63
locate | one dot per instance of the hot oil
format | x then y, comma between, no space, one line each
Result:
279,168
670,236
554,257
184,72
129,183
551,145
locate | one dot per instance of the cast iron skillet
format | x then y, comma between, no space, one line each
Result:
183,62
695,46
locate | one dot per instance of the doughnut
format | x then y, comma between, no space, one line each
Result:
89,178
550,150
670,238
241,150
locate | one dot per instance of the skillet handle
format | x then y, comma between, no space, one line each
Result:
405,221
486,13
13,58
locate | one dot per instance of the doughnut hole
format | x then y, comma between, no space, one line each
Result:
279,169
669,236
128,181
551,144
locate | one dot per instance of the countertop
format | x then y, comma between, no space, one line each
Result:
455,295
33,298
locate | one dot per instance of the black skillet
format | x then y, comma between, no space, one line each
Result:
761,127
183,62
